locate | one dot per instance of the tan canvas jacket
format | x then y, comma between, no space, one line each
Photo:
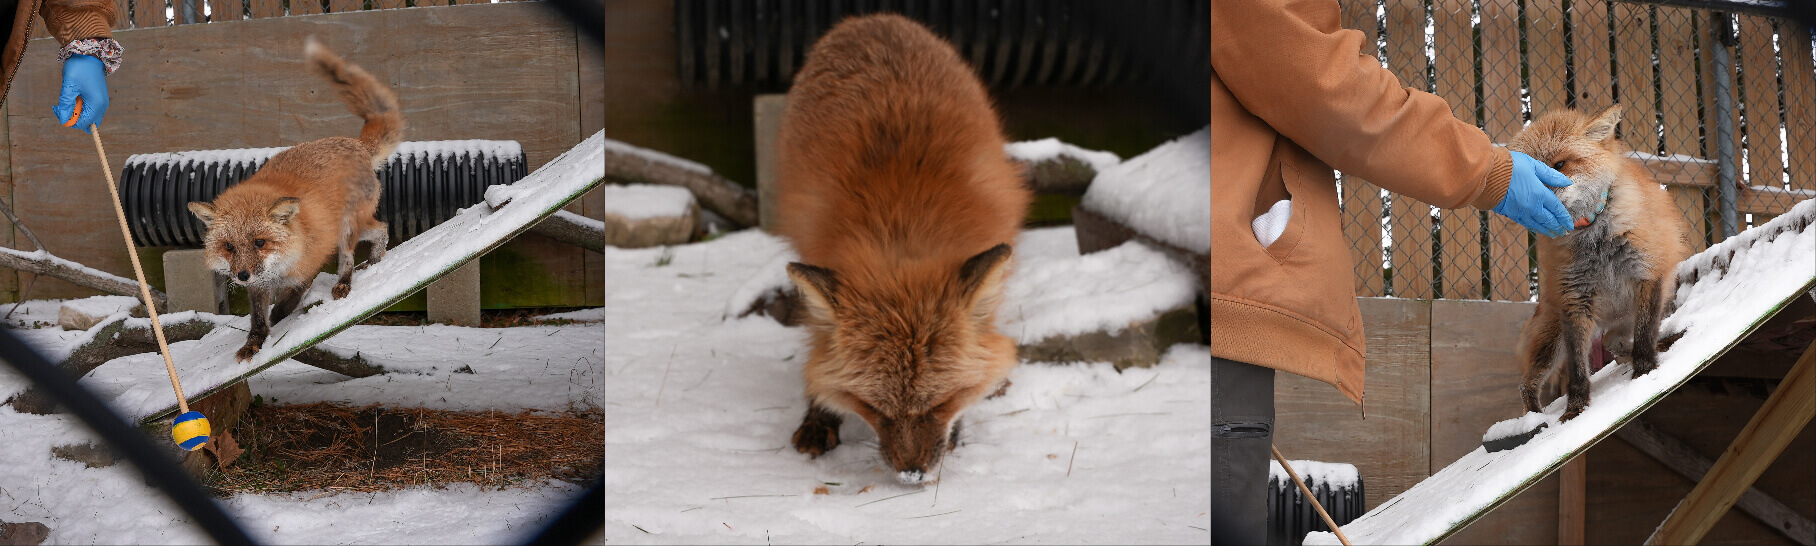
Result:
1291,97
68,21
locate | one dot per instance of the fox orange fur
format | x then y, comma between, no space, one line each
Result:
895,187
1611,279
272,232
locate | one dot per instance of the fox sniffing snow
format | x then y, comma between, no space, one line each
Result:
272,232
1612,278
897,194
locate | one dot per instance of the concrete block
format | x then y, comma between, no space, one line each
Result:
190,285
454,299
767,110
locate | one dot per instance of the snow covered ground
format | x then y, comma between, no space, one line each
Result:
553,368
699,408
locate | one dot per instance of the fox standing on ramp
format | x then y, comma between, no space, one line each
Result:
897,194
272,232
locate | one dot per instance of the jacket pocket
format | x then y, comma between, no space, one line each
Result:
1289,239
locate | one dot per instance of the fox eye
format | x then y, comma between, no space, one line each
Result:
258,243
229,246
1558,166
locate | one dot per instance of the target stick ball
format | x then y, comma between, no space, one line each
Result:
190,431
75,114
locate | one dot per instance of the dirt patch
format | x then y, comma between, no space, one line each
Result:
488,318
333,447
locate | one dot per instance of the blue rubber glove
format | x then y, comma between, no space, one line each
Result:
1531,203
83,76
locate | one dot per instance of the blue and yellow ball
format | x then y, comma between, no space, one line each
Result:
190,431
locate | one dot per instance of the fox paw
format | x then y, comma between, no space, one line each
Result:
1571,410
341,290
246,352
362,265
815,439
1644,364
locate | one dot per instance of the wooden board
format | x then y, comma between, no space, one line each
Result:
306,7
221,11
1547,68
1391,447
1572,480
1589,33
1677,79
265,8
1454,60
1508,260
1799,106
146,14
1409,218
9,278
1633,57
343,6
242,84
1528,518
122,18
1765,160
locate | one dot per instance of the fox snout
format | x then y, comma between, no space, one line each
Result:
916,450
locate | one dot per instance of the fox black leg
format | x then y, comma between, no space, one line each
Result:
1645,327
286,303
1578,329
1543,356
261,323
819,432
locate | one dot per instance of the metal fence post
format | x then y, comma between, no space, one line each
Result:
1724,121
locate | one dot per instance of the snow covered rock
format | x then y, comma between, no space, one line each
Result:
85,313
1164,194
1053,166
646,215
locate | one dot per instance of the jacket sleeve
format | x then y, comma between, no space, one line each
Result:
71,20
1291,64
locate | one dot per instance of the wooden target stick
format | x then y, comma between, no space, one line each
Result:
190,429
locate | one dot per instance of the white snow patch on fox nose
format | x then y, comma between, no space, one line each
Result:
911,476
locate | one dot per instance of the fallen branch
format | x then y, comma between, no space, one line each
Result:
630,164
44,263
573,229
118,339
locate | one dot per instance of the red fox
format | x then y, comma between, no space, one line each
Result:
901,202
272,232
1612,278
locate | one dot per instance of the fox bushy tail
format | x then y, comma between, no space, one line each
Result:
365,96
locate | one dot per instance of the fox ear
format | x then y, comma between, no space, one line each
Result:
284,209
203,211
981,279
818,287
1603,125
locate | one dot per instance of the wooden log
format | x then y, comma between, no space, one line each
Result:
44,263
1681,458
573,229
1784,414
722,196
118,340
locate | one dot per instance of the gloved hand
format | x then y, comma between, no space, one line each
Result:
1531,203
83,76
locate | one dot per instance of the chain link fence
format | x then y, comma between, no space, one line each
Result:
1706,97
158,13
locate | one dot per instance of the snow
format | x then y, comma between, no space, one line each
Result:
641,201
552,368
210,362
584,315
40,254
1517,426
101,306
653,156
1164,193
1314,473
1052,290
1769,264
702,407
1033,151
498,150
1270,225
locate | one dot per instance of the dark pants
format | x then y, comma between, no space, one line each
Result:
1242,434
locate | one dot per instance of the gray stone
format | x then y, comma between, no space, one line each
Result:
454,298
29,533
624,232
92,455
85,313
191,285
1138,345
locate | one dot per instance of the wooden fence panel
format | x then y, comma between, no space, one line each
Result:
1454,60
226,10
148,14
1409,219
1509,263
1799,105
1545,56
1589,33
343,6
1765,162
1682,121
1362,200
1633,56
306,7
259,9
122,18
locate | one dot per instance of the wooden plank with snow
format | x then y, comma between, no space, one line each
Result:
1724,293
208,365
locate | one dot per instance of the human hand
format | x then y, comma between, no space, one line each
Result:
1531,203
83,77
